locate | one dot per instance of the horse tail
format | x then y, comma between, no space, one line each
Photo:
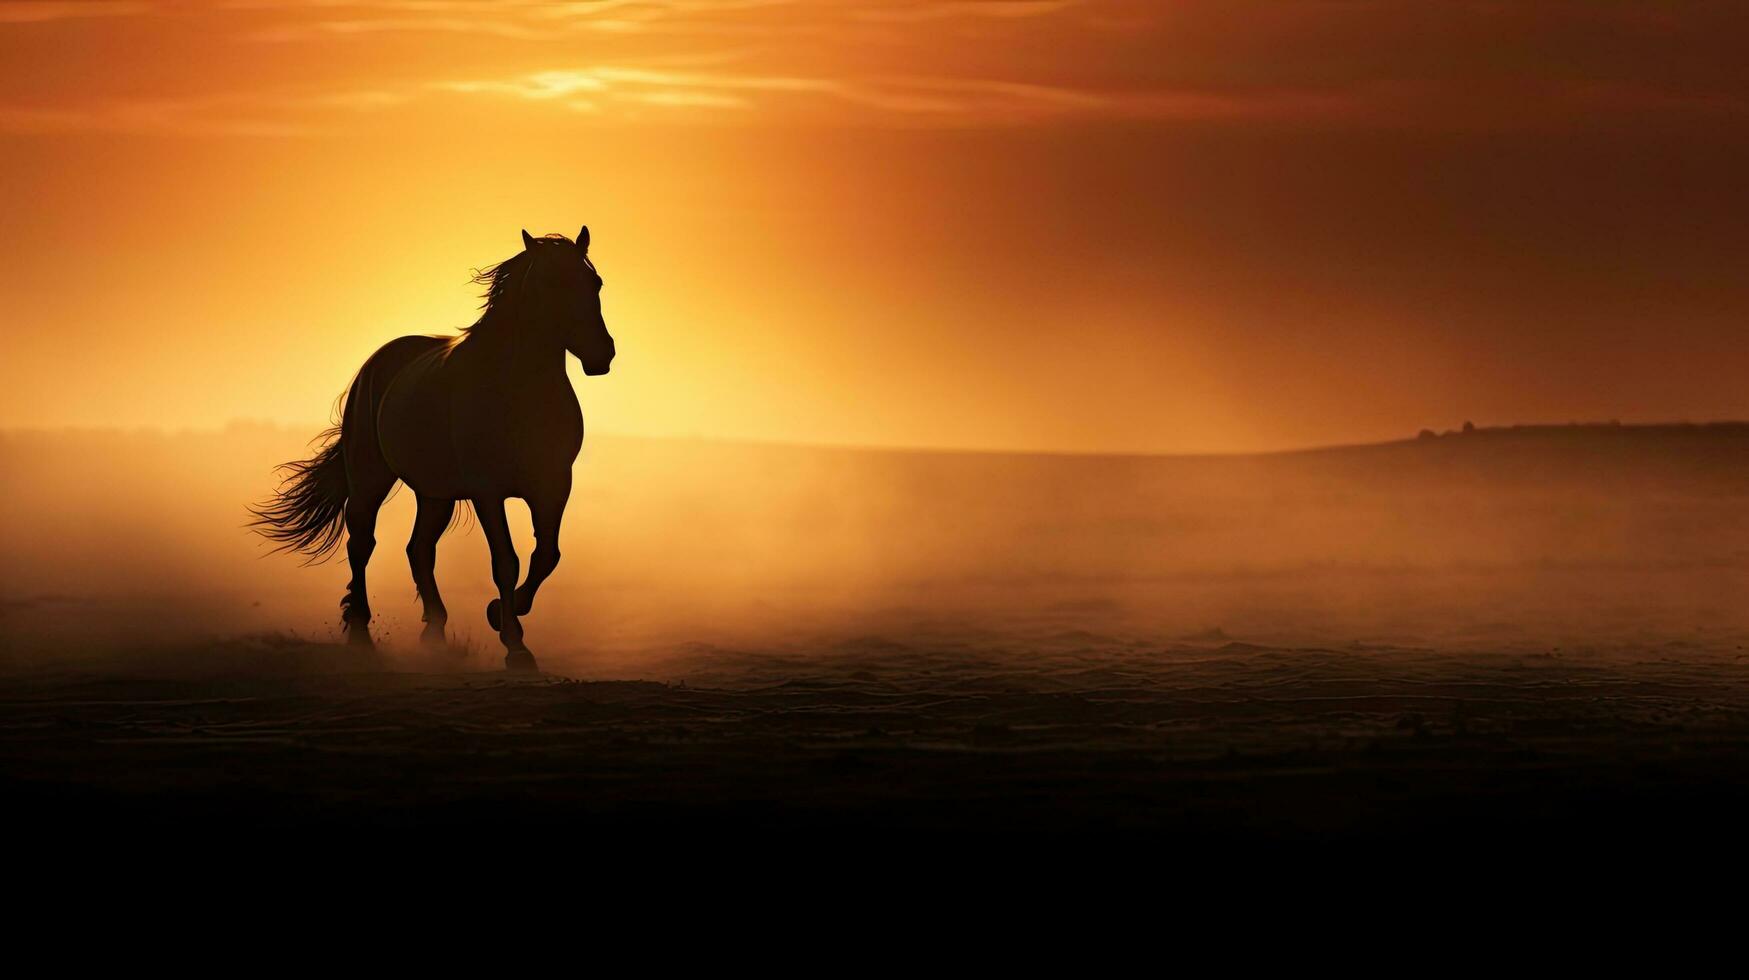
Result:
307,513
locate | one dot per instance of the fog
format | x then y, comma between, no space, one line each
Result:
1534,539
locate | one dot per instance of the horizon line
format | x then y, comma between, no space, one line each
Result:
1422,435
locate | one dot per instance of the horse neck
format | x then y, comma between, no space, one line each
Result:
517,346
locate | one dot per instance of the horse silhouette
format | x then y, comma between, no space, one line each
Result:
479,417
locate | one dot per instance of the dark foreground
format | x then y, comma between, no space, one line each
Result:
871,743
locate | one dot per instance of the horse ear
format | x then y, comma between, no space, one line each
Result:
527,239
583,238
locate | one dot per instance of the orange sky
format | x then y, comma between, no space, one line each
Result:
1199,226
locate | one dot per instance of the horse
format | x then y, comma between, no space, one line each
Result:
477,418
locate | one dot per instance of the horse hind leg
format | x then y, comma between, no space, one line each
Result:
428,526
362,502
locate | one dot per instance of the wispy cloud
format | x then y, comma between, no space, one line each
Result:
33,12
926,99
921,63
522,20
143,117
538,86
687,98
901,95
253,114
604,93
945,9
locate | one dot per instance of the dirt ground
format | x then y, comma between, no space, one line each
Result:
1205,741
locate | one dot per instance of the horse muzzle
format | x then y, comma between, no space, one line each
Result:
597,364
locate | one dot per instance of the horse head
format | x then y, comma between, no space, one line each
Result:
563,283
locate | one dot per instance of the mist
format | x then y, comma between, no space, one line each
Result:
1532,539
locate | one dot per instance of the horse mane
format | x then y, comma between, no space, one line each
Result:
499,279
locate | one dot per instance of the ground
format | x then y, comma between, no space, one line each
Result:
1193,741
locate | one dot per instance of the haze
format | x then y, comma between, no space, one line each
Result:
1512,541
1085,226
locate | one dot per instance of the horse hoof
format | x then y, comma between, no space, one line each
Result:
495,614
520,660
432,635
358,635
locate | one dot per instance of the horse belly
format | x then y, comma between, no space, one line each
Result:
415,432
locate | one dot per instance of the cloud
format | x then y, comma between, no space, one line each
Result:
687,98
32,12
606,92
928,99
892,95
522,20
261,115
166,117
538,86
944,9
931,62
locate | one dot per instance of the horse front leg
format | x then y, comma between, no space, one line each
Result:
546,507
505,567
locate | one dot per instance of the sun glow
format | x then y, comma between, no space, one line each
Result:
992,225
